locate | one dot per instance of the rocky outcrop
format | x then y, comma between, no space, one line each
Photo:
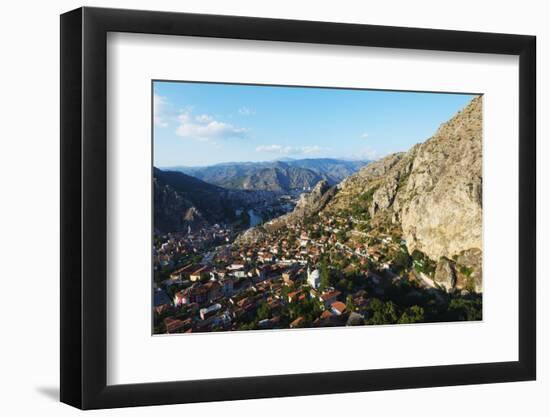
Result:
433,193
254,234
469,267
384,195
376,186
313,201
308,204
441,208
445,274
463,272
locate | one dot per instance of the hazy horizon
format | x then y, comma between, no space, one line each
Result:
262,162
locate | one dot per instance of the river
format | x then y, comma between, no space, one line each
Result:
254,218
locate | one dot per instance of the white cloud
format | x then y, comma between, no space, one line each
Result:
291,150
204,127
204,118
370,154
271,148
159,109
246,111
365,135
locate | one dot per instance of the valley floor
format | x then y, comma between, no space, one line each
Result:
319,273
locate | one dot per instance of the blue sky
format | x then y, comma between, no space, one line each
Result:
198,124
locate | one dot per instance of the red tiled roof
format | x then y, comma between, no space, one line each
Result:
293,294
326,314
338,305
297,322
172,324
328,295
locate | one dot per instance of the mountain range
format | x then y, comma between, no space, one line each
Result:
181,201
278,176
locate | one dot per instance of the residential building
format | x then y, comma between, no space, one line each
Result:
338,308
208,311
328,297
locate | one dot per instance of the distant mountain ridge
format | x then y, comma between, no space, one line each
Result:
181,201
278,176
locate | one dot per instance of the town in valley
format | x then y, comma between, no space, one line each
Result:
319,242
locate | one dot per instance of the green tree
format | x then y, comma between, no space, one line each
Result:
401,261
465,309
350,305
324,275
414,314
263,311
382,313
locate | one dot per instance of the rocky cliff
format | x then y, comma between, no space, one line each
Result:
440,209
307,205
433,192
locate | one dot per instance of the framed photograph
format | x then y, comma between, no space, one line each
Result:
259,208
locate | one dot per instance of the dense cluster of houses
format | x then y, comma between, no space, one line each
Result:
226,299
174,246
262,285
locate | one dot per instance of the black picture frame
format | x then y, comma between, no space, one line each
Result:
84,207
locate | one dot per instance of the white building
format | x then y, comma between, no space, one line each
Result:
313,278
239,274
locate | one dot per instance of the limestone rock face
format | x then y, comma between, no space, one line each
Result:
381,178
192,214
445,274
433,193
307,200
308,204
251,235
469,267
383,197
441,211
